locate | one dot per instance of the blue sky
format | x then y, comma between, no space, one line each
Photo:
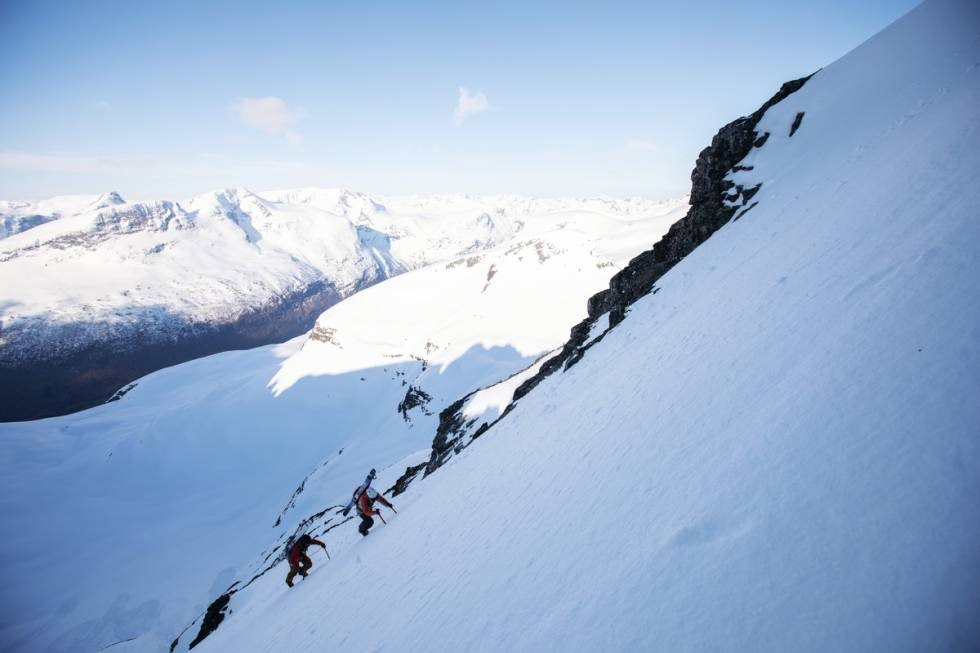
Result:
169,99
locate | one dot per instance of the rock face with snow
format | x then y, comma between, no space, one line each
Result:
714,199
714,202
97,292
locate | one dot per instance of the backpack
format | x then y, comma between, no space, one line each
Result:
297,547
362,488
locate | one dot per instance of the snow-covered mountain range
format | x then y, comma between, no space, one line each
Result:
760,435
97,292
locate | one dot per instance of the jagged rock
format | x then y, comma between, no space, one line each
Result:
708,210
405,479
749,193
450,422
597,304
212,618
414,398
796,123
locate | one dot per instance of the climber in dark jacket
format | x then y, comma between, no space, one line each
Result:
365,508
299,562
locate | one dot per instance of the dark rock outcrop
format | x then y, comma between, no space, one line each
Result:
212,618
405,479
712,196
709,210
414,398
797,121
451,424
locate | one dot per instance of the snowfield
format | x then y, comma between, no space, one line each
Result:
237,449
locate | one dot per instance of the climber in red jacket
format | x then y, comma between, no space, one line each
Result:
299,562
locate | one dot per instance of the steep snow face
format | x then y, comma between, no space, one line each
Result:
776,451
156,283
196,477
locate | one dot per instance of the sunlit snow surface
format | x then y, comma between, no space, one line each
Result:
127,520
778,451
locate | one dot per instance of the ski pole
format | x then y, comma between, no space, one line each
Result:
382,518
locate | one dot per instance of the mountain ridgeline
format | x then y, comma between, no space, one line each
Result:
715,200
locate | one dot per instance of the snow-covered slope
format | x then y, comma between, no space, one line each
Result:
777,450
99,292
155,504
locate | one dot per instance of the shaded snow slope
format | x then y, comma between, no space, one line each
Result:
100,292
776,451
124,522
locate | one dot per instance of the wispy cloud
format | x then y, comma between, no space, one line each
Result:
102,105
640,146
469,105
271,115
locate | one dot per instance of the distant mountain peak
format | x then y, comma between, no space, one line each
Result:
105,200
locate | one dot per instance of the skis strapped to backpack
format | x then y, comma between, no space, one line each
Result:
361,489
